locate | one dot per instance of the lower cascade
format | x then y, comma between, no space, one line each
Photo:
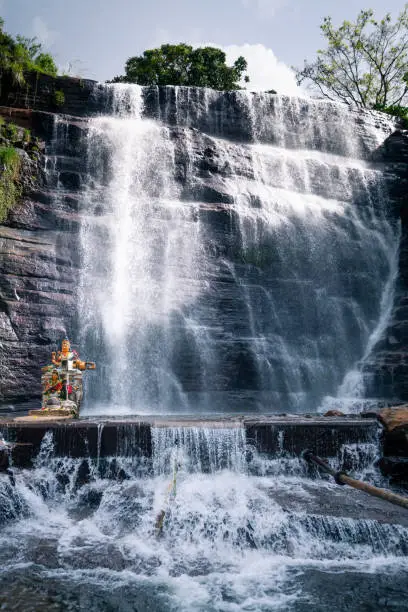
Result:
241,530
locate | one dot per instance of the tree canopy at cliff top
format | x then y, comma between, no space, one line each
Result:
365,62
19,55
182,65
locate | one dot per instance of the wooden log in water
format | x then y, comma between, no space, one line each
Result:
344,479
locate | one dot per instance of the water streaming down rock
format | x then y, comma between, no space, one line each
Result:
140,256
200,449
225,275
237,535
235,251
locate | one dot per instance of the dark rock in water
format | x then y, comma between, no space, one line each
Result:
386,369
396,442
4,456
333,413
395,467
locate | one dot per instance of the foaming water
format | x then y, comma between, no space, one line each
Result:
234,537
200,448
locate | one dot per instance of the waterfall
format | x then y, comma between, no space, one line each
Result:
238,251
141,249
198,449
236,536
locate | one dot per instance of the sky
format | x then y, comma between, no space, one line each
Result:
94,38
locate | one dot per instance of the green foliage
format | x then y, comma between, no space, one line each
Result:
9,157
182,65
10,189
45,63
59,97
401,112
26,135
11,132
365,63
18,136
20,55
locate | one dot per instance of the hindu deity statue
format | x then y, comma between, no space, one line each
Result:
54,385
69,360
62,380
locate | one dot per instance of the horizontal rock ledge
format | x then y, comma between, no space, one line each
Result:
272,435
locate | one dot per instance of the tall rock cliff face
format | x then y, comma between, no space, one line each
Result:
38,268
386,369
221,251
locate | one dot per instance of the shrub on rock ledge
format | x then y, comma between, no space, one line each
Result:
10,189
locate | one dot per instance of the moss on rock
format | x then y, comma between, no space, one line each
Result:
10,188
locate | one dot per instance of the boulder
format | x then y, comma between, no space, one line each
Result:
393,418
395,442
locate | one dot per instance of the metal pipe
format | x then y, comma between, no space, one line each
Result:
342,478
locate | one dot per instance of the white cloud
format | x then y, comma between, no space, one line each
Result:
264,69
42,32
265,8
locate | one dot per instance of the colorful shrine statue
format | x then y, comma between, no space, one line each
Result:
54,385
62,382
69,360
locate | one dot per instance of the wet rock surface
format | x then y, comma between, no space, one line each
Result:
394,418
133,437
336,501
38,274
387,367
210,133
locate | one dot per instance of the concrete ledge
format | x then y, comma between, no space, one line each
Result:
322,436
132,437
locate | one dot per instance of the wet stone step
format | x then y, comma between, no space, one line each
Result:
272,436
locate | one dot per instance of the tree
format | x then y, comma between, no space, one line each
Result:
7,53
33,56
365,63
45,63
21,55
182,65
30,46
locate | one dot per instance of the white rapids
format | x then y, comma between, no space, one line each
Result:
242,532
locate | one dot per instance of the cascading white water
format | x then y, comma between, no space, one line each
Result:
236,536
225,276
198,449
140,254
214,275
